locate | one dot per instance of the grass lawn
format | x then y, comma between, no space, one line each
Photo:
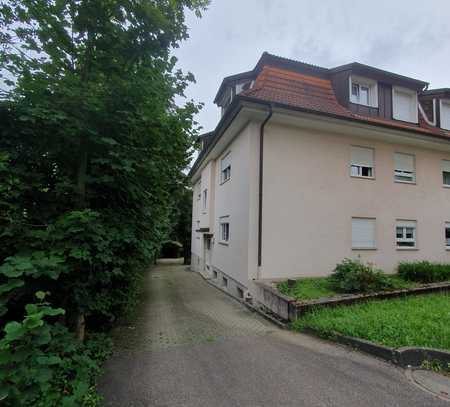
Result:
422,320
318,287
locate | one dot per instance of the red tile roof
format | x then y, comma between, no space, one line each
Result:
315,94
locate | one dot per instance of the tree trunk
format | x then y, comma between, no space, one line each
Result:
80,323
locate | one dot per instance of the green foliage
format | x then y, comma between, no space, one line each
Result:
319,287
354,276
92,153
42,364
308,288
410,321
424,271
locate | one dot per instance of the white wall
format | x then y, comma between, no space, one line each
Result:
310,198
232,199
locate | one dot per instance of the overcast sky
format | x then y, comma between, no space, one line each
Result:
409,37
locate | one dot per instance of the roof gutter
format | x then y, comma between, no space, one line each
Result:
261,174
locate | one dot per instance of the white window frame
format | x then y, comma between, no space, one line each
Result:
224,230
445,165
414,117
447,240
445,124
356,169
373,245
404,242
370,85
225,172
401,172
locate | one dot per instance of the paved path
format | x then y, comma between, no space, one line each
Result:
193,346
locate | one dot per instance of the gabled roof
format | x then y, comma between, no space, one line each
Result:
433,92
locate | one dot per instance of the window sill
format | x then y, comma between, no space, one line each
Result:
363,104
224,182
224,243
361,177
447,248
405,182
445,186
364,248
408,249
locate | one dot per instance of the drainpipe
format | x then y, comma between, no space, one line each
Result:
260,198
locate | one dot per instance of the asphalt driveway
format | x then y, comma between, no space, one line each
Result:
193,346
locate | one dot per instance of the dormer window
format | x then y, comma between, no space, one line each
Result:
363,91
445,114
404,104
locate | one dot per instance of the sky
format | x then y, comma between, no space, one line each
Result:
409,37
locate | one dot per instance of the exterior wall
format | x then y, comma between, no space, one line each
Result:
232,200
237,200
196,240
310,198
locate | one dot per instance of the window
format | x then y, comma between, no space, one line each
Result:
224,282
224,231
240,292
214,273
363,233
405,233
361,162
205,199
446,172
363,91
404,167
445,114
404,104
225,168
447,235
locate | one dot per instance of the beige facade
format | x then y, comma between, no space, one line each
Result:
309,199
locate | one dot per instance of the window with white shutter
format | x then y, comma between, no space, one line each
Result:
225,168
405,170
446,172
363,233
445,114
361,162
405,233
404,104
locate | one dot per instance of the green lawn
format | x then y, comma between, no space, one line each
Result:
318,287
411,321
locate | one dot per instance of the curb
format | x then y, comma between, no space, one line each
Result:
404,357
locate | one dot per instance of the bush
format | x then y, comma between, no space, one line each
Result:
43,365
424,271
354,276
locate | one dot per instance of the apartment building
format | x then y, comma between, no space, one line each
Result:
310,165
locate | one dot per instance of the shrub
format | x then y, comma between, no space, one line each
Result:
43,365
424,271
354,276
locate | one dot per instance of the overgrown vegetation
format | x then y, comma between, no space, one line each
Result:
424,271
411,321
349,276
92,149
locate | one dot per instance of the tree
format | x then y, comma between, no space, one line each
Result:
91,148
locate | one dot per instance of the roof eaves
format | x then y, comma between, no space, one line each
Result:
230,114
345,118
